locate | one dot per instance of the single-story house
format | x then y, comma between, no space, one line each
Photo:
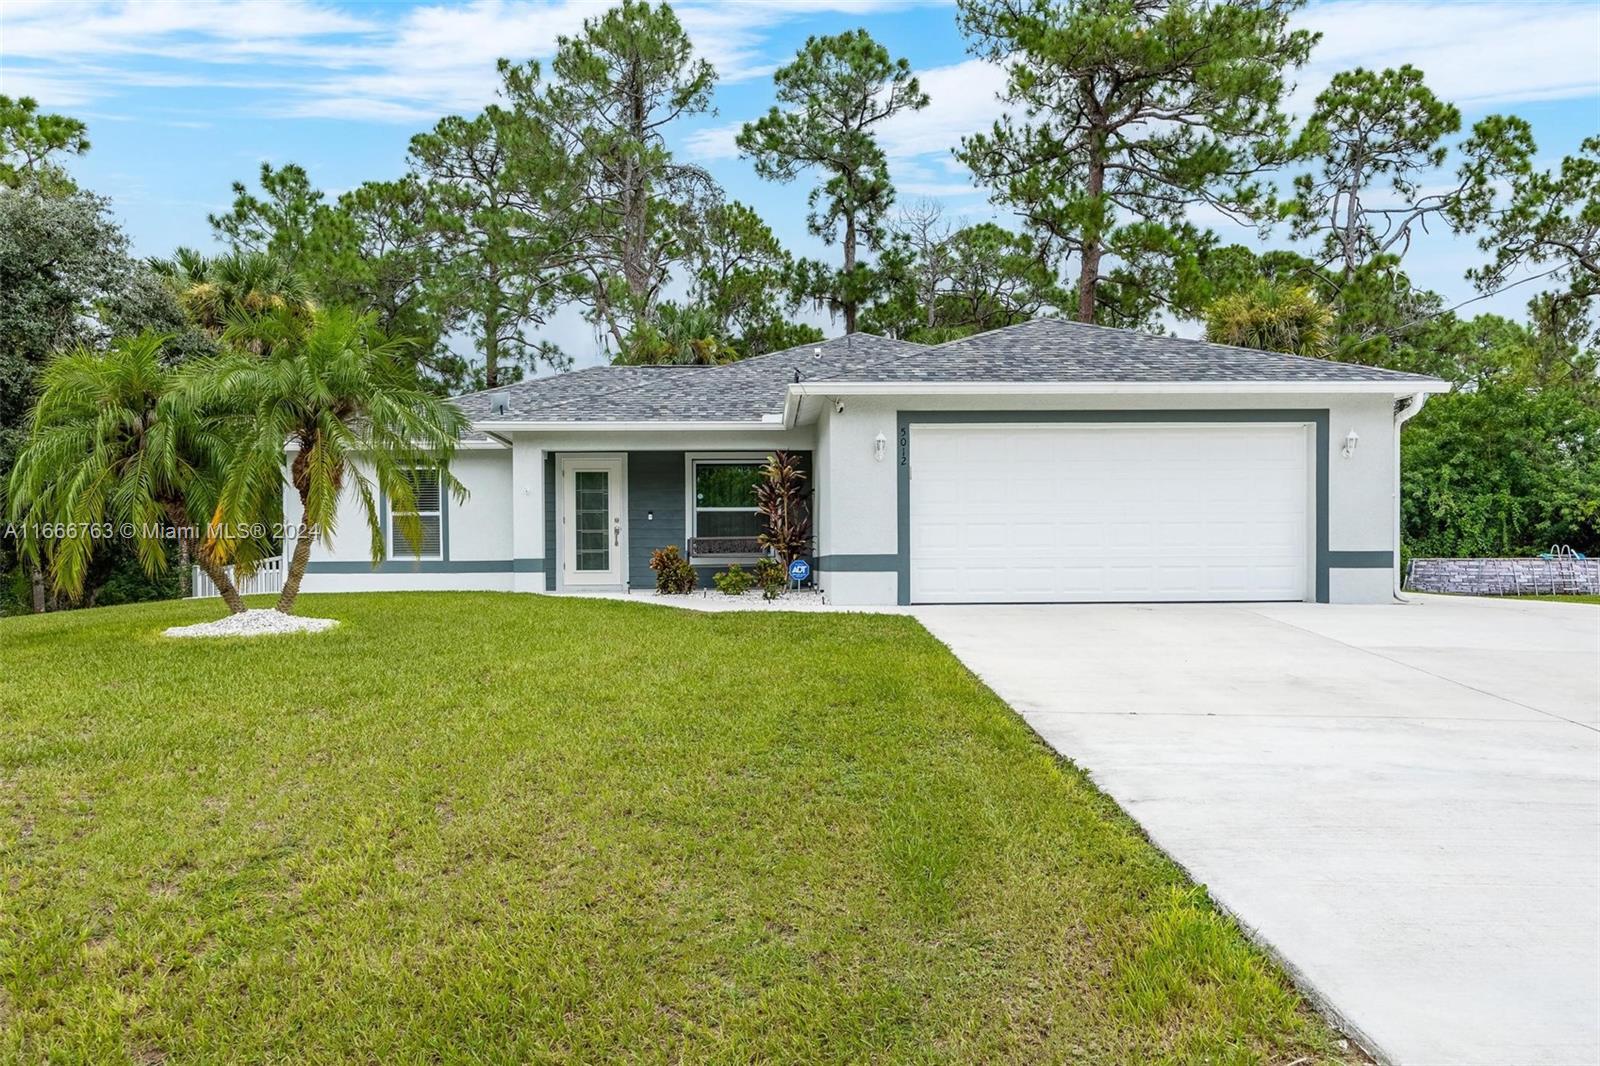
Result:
1047,461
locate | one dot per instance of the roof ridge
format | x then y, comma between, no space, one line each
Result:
916,348
812,346
529,382
1027,351
526,383
1140,334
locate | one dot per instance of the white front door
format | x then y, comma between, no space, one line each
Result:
593,541
1005,513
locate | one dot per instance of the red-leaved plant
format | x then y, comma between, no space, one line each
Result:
781,500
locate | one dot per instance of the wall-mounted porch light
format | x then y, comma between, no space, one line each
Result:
880,446
1351,439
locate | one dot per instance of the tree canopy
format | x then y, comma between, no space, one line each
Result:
831,98
615,90
32,146
1128,115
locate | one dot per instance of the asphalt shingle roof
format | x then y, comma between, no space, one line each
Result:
1056,350
1043,350
734,392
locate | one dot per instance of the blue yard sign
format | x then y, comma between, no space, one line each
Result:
799,570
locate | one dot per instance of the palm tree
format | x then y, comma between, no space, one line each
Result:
116,446
680,336
1273,316
214,291
347,401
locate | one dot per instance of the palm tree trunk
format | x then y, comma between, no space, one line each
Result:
219,577
185,573
204,559
297,569
36,577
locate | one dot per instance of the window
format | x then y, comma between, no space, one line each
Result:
591,519
725,507
429,501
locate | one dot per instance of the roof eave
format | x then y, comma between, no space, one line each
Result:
1108,388
676,426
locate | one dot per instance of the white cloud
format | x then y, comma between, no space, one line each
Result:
53,89
318,59
711,143
1475,55
962,98
168,27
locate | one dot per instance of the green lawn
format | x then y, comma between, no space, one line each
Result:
494,828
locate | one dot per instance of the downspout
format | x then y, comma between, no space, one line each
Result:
1404,411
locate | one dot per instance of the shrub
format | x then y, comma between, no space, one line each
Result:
734,581
673,572
772,576
781,500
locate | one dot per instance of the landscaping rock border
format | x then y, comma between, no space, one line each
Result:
1563,576
260,622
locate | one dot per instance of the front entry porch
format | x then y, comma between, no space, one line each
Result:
606,513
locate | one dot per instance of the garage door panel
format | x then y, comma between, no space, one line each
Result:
1176,579
1047,513
1035,537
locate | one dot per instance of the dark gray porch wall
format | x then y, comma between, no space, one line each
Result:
655,486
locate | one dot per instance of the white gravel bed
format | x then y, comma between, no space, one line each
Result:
254,623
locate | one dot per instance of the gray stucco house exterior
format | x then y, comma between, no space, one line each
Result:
1045,462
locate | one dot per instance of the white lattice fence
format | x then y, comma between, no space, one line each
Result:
267,580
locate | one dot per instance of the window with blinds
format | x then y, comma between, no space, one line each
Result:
429,501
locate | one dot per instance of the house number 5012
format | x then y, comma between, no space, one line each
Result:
905,445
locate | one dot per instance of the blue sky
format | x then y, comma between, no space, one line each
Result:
184,97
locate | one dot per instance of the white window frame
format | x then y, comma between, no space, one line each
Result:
395,513
691,512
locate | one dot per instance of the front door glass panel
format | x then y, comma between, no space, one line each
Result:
592,520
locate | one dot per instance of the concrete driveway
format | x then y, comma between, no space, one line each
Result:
1402,802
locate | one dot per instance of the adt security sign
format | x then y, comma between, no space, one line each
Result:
799,570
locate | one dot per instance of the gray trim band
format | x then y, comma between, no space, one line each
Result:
858,564
418,566
1316,416
1374,560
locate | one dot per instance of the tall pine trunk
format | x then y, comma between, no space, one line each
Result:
849,300
491,335
1352,220
1093,245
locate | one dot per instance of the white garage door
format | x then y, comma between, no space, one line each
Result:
1109,512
